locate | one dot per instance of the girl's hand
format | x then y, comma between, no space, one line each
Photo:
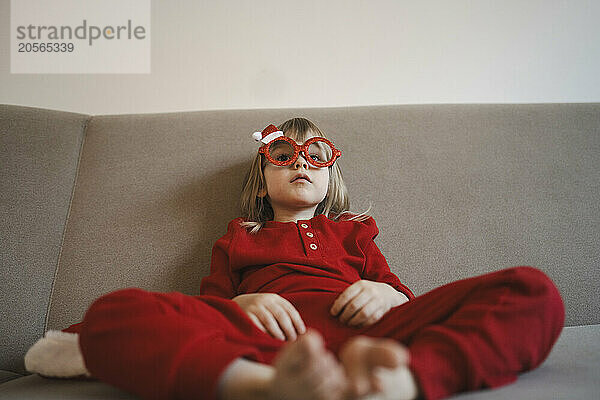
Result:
273,314
364,302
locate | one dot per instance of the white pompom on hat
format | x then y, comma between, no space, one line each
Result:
269,133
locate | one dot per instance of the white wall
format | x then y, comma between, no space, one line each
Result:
234,54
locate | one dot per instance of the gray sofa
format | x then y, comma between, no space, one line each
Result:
91,204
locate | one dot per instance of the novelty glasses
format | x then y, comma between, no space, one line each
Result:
283,151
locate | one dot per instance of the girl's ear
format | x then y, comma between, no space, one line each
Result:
262,192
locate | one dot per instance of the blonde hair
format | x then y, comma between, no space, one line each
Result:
257,210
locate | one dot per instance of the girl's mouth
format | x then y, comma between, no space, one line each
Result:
301,177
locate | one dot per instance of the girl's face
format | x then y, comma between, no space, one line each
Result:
286,193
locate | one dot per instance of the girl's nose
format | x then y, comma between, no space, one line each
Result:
301,161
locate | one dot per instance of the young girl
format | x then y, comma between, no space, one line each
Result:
301,304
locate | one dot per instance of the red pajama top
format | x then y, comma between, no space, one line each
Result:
315,255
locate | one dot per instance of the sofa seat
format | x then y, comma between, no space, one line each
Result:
571,371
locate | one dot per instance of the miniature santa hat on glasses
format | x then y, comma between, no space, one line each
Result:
269,133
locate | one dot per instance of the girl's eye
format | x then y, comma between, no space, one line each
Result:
282,157
316,157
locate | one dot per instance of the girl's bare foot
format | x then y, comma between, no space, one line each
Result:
305,370
378,365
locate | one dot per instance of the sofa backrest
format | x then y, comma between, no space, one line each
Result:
456,190
39,150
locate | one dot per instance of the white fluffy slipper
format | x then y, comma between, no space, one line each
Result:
56,355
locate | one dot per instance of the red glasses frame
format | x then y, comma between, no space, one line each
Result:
335,153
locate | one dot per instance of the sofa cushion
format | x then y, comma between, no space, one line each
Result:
39,155
6,376
570,371
34,387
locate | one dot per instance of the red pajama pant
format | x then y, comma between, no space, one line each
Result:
470,334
